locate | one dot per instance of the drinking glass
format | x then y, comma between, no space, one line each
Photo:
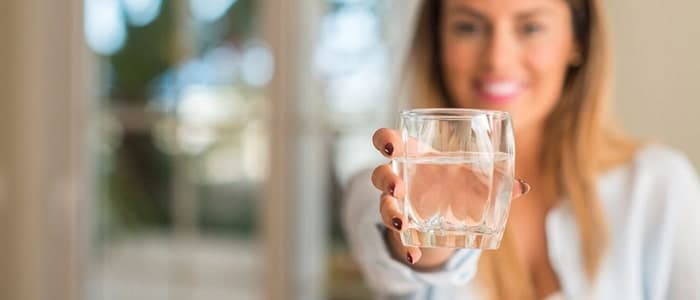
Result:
457,169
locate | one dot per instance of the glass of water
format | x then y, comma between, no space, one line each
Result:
457,168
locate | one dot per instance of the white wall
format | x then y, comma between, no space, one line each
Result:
657,45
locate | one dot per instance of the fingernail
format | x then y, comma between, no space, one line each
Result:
524,187
397,223
389,149
409,258
391,189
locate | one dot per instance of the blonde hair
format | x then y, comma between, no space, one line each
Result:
580,139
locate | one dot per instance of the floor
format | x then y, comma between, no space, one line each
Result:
160,267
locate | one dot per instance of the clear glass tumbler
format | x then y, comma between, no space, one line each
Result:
457,168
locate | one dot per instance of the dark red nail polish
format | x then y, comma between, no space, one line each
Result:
397,223
409,258
524,187
391,189
389,149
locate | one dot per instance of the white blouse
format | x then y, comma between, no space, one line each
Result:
653,212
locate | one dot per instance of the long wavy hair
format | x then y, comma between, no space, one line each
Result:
580,138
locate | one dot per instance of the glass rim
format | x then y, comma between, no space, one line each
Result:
452,113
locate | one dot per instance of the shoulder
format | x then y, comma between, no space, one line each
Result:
655,184
653,168
661,162
664,174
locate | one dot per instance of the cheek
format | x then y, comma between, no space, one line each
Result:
547,68
458,66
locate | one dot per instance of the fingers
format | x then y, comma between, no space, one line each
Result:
385,180
410,255
391,215
388,142
413,254
396,222
520,188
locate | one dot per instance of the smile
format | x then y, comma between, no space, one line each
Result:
498,92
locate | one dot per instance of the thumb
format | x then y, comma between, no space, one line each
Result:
520,188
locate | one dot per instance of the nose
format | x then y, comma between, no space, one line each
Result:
501,51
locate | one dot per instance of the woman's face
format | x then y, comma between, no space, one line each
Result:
509,55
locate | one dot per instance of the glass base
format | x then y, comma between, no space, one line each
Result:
451,239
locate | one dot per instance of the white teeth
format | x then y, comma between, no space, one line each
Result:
501,88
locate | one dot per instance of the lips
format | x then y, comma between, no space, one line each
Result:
500,91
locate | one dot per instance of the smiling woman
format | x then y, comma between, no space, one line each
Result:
546,62
146,179
511,57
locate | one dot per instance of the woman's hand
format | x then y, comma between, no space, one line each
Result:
434,186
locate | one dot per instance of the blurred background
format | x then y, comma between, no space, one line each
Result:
198,149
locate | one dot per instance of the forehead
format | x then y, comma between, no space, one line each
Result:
504,8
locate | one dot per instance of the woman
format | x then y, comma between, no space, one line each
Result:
608,218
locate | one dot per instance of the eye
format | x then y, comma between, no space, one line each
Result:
532,28
468,28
